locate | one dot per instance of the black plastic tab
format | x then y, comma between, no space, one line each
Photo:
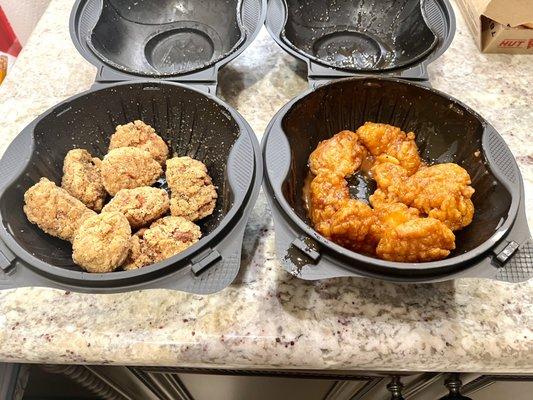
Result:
303,244
519,265
7,258
201,264
504,255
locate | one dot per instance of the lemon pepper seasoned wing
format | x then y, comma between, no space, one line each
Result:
141,206
193,194
54,210
165,238
140,135
129,168
102,242
82,178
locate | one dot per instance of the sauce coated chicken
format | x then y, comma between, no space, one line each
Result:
413,212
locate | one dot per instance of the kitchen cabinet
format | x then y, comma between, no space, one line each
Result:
131,383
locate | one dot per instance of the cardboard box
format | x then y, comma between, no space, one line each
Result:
500,26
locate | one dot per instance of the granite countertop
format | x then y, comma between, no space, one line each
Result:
267,318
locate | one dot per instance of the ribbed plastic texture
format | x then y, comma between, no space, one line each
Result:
520,267
502,156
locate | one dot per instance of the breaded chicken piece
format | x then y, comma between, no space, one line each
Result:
334,214
390,215
82,178
417,240
138,134
351,226
166,237
380,198
383,139
54,210
129,168
390,178
341,154
443,192
326,193
141,206
139,255
102,243
193,194
396,227
171,235
338,217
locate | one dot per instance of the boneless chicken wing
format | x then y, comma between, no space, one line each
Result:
417,240
390,178
327,191
129,168
193,194
141,206
390,215
54,210
140,135
140,254
342,154
165,238
383,139
351,226
102,242
82,178
442,191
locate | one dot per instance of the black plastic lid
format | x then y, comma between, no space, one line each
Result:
347,38
179,41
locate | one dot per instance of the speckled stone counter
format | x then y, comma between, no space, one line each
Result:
267,318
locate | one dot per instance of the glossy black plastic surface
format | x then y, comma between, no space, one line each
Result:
176,40
359,35
166,37
342,38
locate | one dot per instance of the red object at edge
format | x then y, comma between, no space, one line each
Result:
8,40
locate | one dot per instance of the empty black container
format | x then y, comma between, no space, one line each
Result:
340,37
497,244
175,39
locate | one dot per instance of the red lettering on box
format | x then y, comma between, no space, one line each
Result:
512,42
530,43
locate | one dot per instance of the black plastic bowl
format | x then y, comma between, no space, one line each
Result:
447,131
362,36
164,38
193,123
